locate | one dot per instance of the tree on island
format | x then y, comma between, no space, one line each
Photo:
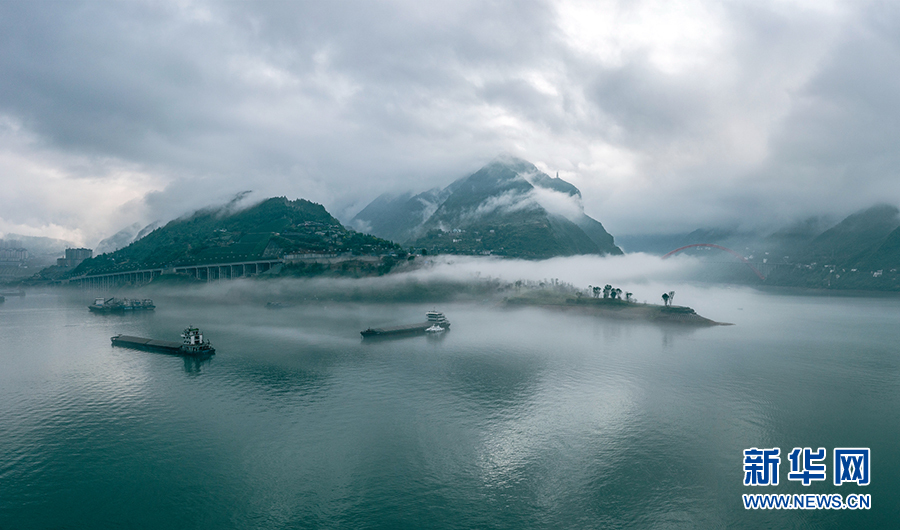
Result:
596,291
616,293
607,289
668,298
628,296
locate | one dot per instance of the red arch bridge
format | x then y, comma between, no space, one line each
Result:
710,245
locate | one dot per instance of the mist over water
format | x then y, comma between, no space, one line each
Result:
446,278
515,418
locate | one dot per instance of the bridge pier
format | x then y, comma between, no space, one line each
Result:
209,273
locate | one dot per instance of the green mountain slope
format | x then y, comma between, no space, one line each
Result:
860,252
267,230
595,231
503,209
508,208
397,217
887,255
855,239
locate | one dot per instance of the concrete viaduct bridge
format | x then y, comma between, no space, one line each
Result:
207,272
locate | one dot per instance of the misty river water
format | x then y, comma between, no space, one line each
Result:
516,418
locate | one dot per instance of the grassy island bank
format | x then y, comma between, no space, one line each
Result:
613,308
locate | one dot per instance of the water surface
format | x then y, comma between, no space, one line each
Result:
519,418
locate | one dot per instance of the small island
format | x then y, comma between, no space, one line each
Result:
608,302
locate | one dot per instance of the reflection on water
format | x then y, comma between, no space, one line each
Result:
194,364
437,337
517,418
431,337
672,332
495,382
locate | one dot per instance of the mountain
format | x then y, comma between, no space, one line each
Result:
875,236
396,217
220,235
887,255
118,240
860,252
800,234
856,238
124,237
509,207
792,239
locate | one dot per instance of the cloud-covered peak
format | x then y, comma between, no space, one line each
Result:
494,210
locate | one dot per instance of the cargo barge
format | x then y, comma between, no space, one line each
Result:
192,344
434,319
126,305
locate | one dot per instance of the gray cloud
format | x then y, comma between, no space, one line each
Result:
668,116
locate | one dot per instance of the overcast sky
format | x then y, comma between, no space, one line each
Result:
668,115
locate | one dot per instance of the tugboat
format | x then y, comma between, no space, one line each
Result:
435,319
192,344
115,305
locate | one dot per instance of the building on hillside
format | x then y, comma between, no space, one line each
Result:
74,257
10,243
13,259
311,257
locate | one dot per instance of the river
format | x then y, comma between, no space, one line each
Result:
515,418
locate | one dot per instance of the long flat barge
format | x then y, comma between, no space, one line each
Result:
115,305
434,318
140,343
193,344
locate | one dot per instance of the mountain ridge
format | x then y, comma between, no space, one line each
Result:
508,207
270,228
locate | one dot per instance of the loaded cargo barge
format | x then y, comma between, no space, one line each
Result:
193,344
434,319
115,305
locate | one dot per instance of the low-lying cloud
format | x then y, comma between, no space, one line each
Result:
558,203
446,278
